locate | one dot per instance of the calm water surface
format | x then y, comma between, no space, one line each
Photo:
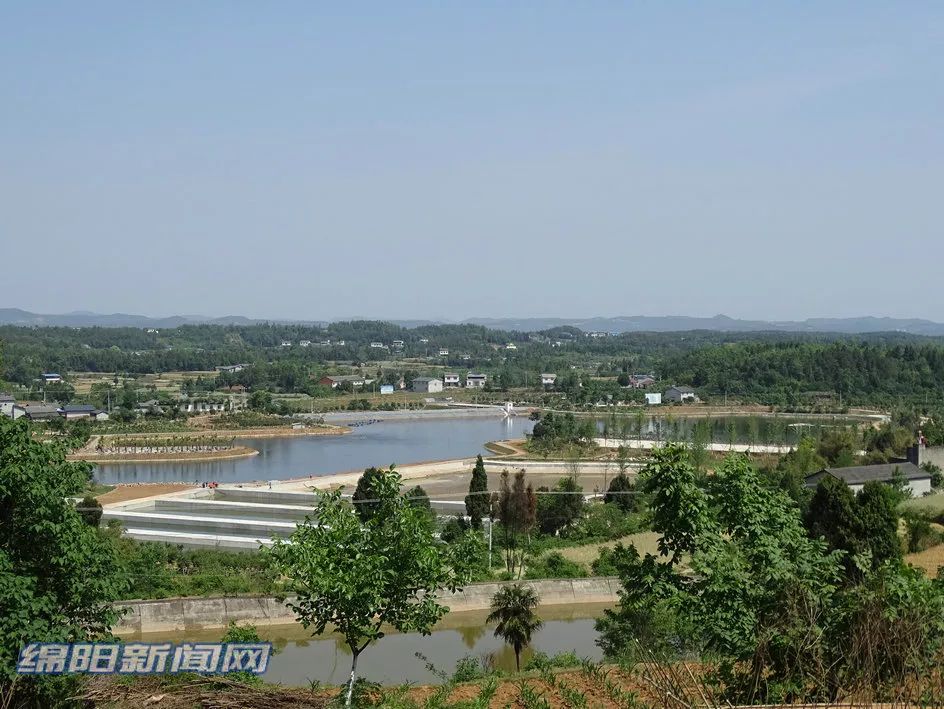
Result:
414,441
401,442
301,658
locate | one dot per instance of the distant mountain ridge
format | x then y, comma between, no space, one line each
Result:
718,323
620,324
16,316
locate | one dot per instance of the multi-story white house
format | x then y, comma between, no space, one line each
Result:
475,381
451,379
548,380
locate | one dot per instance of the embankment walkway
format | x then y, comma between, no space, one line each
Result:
195,614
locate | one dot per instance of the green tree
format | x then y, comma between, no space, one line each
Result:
365,497
516,510
838,447
58,576
877,518
477,502
622,493
362,574
756,578
91,510
513,610
561,506
832,516
418,498
260,400
866,523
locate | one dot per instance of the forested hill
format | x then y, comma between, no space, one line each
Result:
779,373
773,368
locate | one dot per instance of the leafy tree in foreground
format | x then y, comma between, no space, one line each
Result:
866,523
58,576
513,610
477,502
359,574
739,582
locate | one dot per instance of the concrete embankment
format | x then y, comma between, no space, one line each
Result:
196,614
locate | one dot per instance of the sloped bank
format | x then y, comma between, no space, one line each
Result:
195,614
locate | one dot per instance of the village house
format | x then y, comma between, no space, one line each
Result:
450,380
641,381
151,406
52,378
918,481
548,380
70,412
443,352
511,346
335,380
285,343
230,368
377,346
427,385
680,395
37,412
304,343
474,381
653,399
203,407
398,344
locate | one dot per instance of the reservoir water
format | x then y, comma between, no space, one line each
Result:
393,660
395,441
406,441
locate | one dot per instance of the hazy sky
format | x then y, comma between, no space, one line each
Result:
448,160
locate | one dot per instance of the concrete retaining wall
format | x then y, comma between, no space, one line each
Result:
195,614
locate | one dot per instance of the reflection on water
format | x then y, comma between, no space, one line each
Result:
415,441
393,660
775,429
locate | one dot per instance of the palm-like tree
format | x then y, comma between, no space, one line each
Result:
513,610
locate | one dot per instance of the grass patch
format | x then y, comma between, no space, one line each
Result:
645,542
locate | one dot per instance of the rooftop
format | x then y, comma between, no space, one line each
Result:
860,474
77,408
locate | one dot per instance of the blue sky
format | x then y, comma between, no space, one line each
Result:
450,160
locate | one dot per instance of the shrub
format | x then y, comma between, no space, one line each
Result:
554,566
541,661
468,669
603,522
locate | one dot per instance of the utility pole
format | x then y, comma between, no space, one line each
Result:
490,542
